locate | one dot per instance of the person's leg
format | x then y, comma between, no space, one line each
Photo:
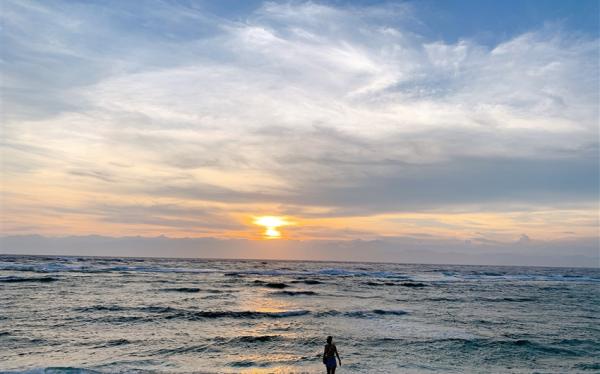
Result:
333,370
328,370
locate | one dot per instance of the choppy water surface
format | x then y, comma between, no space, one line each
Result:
163,315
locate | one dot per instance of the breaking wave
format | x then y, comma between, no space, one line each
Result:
182,289
295,293
165,312
13,279
270,284
95,268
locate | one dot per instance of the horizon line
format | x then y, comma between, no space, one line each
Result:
288,260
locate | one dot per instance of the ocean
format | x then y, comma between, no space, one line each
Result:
84,314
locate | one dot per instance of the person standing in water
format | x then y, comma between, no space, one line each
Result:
329,356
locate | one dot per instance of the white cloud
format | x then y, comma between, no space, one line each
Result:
299,99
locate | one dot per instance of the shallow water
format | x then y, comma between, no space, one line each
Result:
223,316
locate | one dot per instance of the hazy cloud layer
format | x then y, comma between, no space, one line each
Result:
582,252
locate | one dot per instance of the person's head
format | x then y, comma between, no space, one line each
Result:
329,339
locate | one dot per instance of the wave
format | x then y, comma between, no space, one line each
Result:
100,308
478,344
13,279
361,313
247,363
489,273
402,284
592,366
328,272
196,315
244,363
296,313
483,299
518,344
307,281
376,284
390,312
449,276
168,313
98,268
505,299
217,296
250,339
374,312
218,291
413,284
438,275
182,289
113,343
553,348
360,273
103,343
295,293
270,284
94,268
122,319
57,370
200,348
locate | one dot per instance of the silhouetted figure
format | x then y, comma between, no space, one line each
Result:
329,356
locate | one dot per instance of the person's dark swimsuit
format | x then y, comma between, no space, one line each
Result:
329,356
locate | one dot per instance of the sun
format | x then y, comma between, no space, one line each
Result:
271,223
272,233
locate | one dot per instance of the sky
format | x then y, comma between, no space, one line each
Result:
427,131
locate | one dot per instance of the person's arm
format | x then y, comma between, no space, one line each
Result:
338,356
324,353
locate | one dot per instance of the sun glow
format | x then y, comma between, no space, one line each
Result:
271,224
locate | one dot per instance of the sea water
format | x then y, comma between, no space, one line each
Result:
70,314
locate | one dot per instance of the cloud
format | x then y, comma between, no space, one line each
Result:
308,107
483,182
193,219
95,174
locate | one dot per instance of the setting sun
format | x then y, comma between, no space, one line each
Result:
272,233
271,224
